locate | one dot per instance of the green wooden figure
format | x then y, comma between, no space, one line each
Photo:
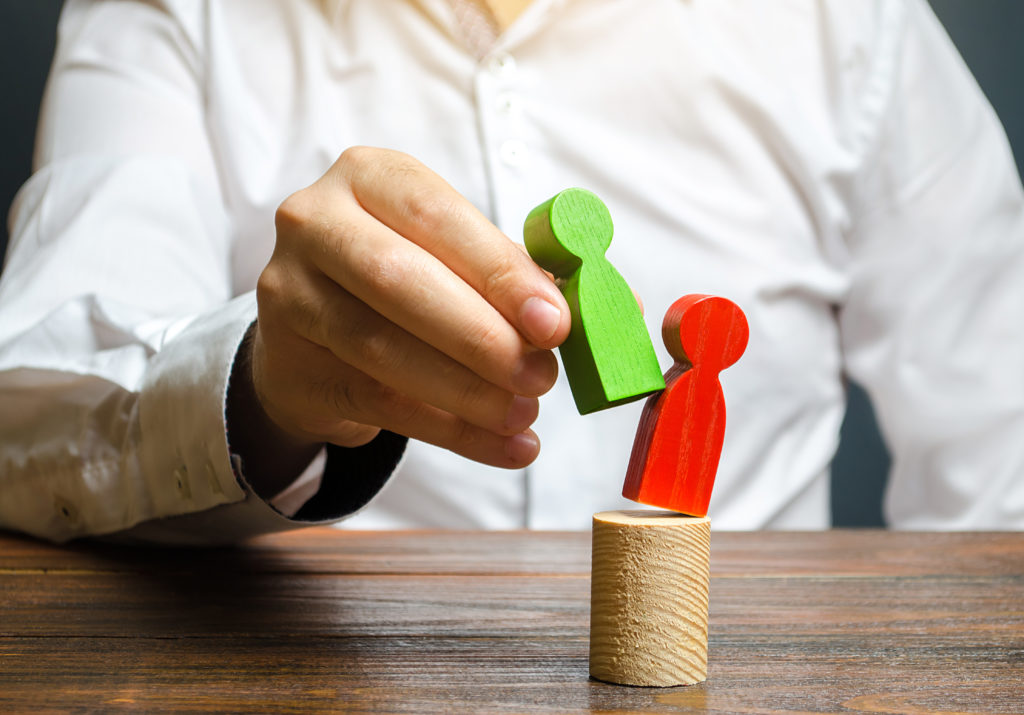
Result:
608,357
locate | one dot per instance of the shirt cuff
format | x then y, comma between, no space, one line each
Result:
196,486
292,497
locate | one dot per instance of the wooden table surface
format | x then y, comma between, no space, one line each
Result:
327,620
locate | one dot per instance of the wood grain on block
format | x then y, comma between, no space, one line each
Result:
649,598
454,621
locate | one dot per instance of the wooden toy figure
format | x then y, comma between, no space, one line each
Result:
608,357
679,439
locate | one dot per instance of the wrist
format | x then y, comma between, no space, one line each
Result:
271,457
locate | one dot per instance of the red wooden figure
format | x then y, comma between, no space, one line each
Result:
679,439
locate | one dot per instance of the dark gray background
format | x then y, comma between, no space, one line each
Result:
989,33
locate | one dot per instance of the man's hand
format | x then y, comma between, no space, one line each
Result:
391,302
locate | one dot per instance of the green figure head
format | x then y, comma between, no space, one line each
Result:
572,226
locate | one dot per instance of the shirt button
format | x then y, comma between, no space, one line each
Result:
181,481
509,103
502,65
513,152
211,478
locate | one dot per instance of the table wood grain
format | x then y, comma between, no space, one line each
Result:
409,622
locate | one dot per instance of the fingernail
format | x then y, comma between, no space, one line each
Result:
536,374
539,319
522,448
521,414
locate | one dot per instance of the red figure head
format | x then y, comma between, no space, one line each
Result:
705,331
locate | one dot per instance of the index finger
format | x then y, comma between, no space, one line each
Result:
412,200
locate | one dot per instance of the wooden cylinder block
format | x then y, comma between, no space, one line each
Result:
649,598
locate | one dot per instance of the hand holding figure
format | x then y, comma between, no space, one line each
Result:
390,302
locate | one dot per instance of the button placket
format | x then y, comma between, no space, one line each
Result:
500,109
500,104
513,152
509,104
501,65
507,107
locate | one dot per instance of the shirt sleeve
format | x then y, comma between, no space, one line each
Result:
931,325
117,325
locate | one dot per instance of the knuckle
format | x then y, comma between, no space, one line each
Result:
388,272
319,395
465,436
359,161
270,285
341,396
307,317
280,299
501,273
275,295
474,396
429,211
484,341
374,344
356,158
400,409
326,239
304,223
339,331
294,212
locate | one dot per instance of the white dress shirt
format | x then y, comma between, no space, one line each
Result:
830,166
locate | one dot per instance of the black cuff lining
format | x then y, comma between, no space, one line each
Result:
353,476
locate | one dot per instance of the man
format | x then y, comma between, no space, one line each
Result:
831,167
